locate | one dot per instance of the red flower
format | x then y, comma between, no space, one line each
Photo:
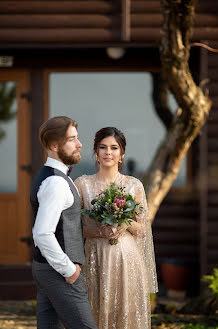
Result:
120,202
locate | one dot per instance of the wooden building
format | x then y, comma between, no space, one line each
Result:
41,37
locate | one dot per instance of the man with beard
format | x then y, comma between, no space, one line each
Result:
57,232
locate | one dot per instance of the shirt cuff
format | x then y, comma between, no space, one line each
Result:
69,270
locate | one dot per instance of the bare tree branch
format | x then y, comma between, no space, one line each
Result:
160,100
194,105
200,44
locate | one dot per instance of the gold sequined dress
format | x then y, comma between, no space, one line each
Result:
119,278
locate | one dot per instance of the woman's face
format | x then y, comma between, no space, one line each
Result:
109,152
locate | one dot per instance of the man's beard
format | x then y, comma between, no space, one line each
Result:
69,160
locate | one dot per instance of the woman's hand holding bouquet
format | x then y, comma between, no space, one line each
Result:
113,209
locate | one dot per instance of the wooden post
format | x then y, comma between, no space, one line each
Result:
203,176
37,97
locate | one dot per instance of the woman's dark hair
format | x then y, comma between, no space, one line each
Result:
54,130
110,132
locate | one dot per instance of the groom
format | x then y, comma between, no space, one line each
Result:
57,232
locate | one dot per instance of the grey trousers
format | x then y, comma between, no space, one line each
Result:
58,300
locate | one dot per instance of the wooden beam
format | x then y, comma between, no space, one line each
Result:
145,6
59,35
59,21
126,16
57,7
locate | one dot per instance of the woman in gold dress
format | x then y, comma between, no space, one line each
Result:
119,278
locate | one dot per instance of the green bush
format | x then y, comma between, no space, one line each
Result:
196,326
153,302
212,281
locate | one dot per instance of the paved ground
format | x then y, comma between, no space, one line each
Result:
21,315
17,315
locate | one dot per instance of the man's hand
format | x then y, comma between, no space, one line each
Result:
71,279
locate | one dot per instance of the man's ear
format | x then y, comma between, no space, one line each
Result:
53,147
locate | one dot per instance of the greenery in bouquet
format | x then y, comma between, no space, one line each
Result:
113,207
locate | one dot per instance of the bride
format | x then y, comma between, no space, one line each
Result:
119,278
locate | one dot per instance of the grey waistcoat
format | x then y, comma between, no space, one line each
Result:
69,229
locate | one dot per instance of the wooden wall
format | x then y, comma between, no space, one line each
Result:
176,227
186,224
79,22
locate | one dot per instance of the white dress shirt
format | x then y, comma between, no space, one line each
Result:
54,196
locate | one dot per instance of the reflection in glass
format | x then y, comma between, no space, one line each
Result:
8,137
122,100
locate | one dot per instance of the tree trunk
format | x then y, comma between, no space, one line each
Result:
194,106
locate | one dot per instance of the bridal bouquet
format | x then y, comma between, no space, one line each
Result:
113,207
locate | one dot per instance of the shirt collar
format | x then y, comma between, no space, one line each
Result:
57,165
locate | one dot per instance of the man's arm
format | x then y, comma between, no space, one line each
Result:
53,197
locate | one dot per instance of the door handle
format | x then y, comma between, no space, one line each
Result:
27,239
27,168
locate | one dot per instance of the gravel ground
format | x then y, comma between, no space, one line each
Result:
17,315
21,315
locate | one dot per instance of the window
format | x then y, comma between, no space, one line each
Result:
122,100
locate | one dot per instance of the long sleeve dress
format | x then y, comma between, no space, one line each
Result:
119,278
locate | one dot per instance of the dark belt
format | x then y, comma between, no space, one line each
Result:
37,256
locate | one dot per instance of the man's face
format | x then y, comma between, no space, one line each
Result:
69,153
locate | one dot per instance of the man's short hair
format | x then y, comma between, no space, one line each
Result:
54,130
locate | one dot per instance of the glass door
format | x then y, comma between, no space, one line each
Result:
14,162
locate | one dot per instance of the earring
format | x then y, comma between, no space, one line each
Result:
120,161
97,158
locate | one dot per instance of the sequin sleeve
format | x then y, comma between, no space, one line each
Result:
145,240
